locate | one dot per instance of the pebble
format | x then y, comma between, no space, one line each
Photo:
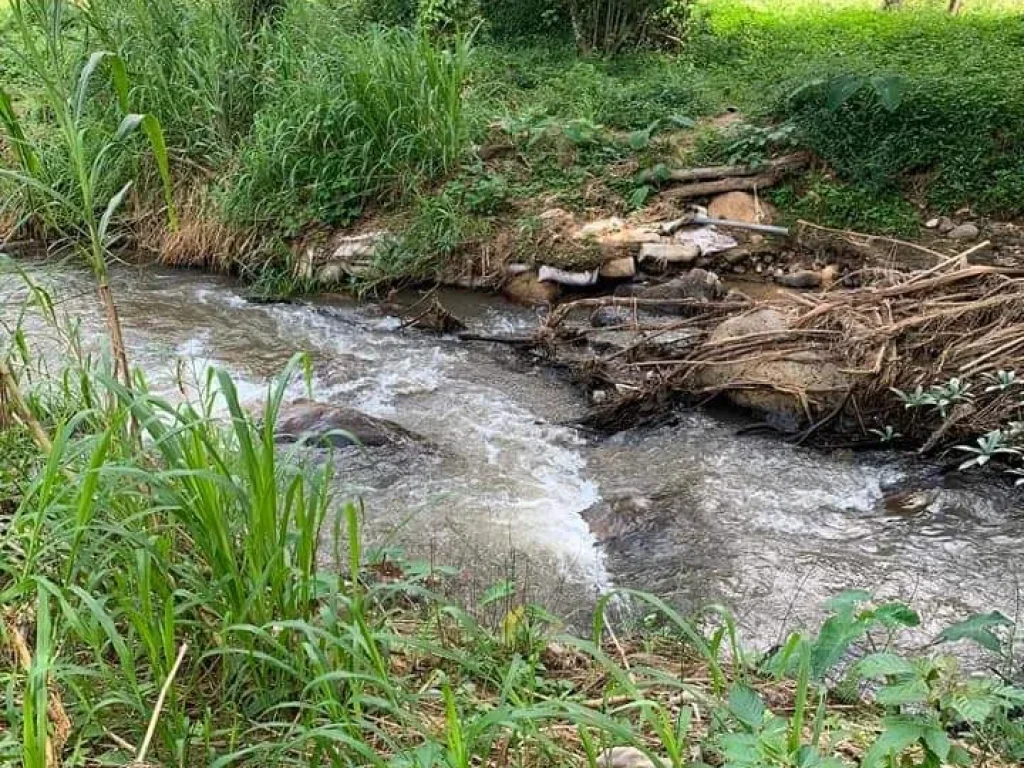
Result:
625,757
605,317
964,232
945,224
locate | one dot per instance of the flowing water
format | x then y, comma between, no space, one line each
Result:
502,489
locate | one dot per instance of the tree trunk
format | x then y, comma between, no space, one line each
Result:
954,6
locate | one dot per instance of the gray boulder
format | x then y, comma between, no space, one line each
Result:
321,423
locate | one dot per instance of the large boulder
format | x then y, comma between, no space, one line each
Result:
317,422
770,386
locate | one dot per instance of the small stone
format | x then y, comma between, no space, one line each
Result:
625,757
736,255
739,269
964,232
526,288
695,284
931,224
606,317
669,253
617,269
804,278
945,224
829,275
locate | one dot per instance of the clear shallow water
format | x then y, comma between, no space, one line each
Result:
688,511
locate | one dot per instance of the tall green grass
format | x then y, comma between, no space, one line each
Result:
351,120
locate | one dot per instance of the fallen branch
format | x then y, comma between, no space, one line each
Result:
711,188
140,759
685,175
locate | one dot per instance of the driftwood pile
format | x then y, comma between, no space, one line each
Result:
825,358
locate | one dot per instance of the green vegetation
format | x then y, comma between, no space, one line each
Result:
178,589
284,118
200,597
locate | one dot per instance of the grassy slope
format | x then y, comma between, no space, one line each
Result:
961,123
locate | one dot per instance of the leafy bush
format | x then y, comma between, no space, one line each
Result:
360,119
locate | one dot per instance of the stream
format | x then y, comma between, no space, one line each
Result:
503,489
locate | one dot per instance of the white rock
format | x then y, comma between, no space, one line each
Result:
625,757
931,224
669,253
565,277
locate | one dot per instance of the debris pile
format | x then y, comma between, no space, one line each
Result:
811,358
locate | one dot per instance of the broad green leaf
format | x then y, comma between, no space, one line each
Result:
898,734
741,749
906,692
973,709
497,592
746,706
890,90
893,615
978,629
960,756
834,640
847,600
840,89
885,664
938,742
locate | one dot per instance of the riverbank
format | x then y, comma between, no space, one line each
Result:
209,562
274,150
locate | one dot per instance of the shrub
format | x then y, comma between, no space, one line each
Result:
526,18
610,26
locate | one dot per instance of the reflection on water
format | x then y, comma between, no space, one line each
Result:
688,511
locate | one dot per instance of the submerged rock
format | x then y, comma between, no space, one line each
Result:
778,387
326,423
606,317
804,278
